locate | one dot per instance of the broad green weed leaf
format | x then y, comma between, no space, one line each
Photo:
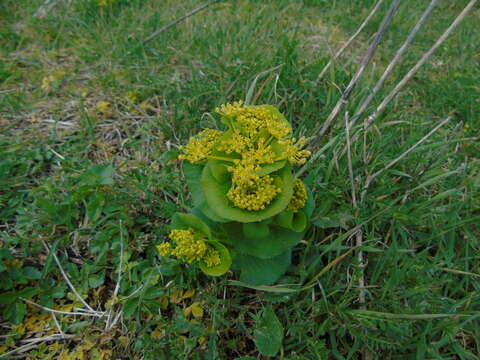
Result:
15,312
332,221
31,273
268,333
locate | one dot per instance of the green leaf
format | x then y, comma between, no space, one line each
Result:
131,306
31,273
98,175
278,289
256,271
193,174
49,260
216,195
28,292
95,206
268,333
276,242
15,312
105,173
219,170
332,221
96,280
269,168
225,261
185,221
256,230
294,221
211,214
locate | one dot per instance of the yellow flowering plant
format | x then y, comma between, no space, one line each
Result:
243,186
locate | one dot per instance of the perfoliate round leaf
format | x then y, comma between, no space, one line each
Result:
276,242
256,271
216,195
219,170
205,209
186,221
293,221
225,261
193,174
256,230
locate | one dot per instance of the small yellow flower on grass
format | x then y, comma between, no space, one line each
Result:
104,107
299,197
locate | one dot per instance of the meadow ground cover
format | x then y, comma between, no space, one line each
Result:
91,122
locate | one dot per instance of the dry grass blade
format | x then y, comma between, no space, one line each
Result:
419,64
67,279
402,156
401,51
327,267
363,66
349,41
180,19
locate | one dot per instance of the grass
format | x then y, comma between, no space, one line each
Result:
90,122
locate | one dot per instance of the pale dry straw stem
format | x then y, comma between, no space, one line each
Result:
359,233
402,156
180,19
363,66
53,337
251,89
57,325
18,350
401,51
422,61
71,313
108,323
47,7
67,279
349,41
316,155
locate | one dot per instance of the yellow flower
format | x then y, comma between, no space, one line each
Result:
293,150
234,143
190,246
230,109
256,196
254,132
299,197
201,146
164,249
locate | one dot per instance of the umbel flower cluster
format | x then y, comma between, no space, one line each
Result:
243,187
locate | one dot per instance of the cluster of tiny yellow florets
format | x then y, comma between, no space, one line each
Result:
293,150
252,129
201,146
190,247
255,196
299,198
